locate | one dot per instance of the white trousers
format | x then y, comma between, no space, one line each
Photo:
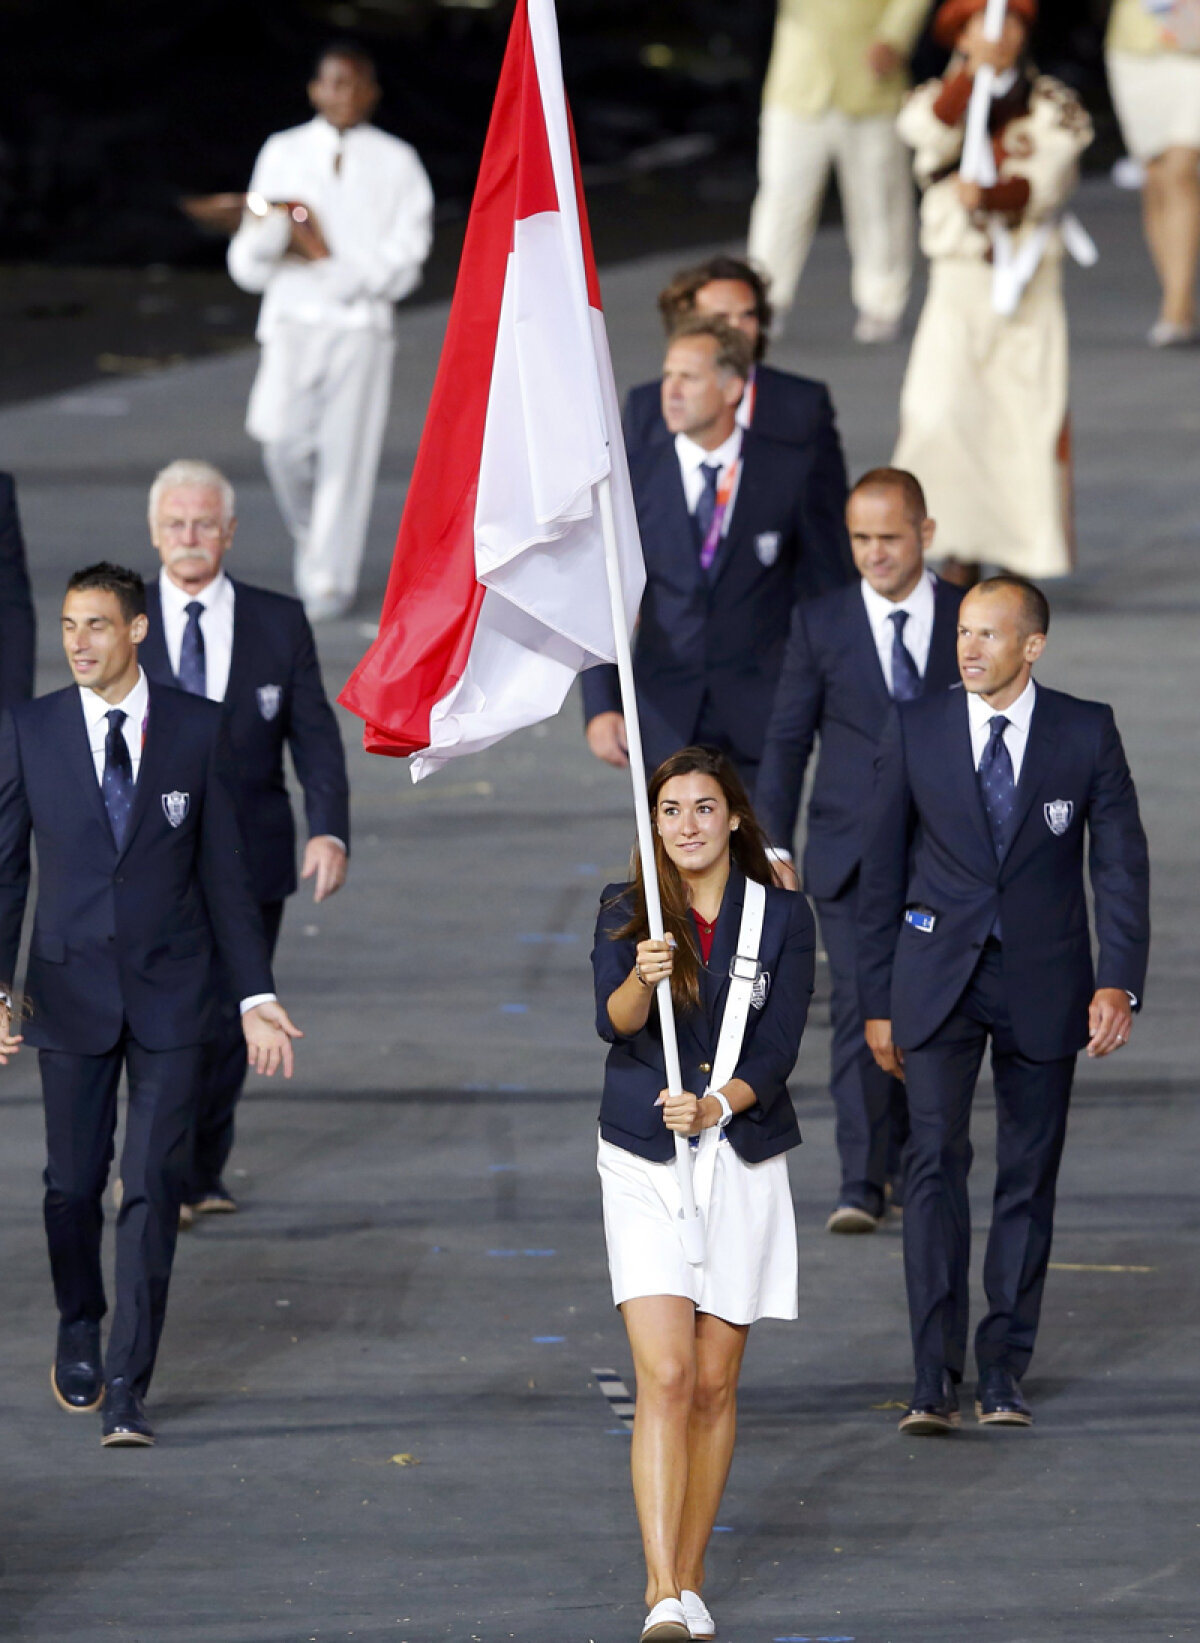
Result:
318,407
795,154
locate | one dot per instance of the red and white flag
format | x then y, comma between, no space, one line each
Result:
498,594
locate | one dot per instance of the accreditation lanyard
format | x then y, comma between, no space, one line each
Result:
725,490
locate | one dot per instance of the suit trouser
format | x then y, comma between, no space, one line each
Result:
1032,1098
80,1097
319,408
223,1068
795,155
872,1116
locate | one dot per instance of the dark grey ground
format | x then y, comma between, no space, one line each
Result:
418,1269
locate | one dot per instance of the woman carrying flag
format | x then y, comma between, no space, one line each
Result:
983,412
739,956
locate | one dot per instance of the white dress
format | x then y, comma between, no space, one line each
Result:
983,413
749,1269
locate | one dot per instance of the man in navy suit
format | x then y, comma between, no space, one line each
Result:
18,626
851,653
973,924
730,545
253,651
127,790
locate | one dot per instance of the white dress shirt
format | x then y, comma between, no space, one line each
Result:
918,630
374,207
1016,734
216,627
135,707
693,457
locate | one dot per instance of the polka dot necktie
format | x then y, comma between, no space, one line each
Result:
998,786
193,671
117,784
706,507
906,679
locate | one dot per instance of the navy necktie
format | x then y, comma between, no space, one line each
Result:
998,786
193,670
906,679
707,505
117,784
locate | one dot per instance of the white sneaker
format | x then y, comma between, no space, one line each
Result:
1164,333
870,329
666,1623
700,1623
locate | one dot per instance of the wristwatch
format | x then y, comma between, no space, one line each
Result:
726,1109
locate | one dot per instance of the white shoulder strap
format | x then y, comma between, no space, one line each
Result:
743,973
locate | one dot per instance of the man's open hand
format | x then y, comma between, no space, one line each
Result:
324,857
269,1032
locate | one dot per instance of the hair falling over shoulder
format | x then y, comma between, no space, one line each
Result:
747,850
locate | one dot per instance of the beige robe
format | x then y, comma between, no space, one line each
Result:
983,411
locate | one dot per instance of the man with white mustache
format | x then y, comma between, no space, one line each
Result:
252,650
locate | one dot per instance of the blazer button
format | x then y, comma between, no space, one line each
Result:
706,1066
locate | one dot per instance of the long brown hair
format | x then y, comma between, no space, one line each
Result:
747,849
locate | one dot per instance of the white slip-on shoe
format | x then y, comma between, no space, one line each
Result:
700,1623
666,1623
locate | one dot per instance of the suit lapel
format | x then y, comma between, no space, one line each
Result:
152,652
1035,766
676,539
148,790
862,635
941,670
739,523
239,659
962,761
78,753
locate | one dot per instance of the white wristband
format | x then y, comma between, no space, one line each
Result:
726,1109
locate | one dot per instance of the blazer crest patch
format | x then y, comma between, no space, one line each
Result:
1058,814
269,698
175,807
766,547
760,989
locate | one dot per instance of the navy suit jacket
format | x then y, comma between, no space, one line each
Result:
125,935
720,633
274,696
18,626
635,1073
928,843
832,686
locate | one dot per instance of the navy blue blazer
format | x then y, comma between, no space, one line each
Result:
18,625
720,633
797,410
274,696
125,935
634,1073
832,685
928,843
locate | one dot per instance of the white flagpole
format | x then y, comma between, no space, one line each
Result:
691,1228
978,162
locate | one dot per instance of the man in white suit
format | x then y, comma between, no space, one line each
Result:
337,227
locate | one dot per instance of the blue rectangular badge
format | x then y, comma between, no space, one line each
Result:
920,919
